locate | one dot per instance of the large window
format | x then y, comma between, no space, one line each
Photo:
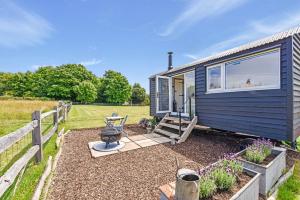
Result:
260,71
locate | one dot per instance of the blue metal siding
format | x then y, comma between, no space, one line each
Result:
152,85
263,113
296,86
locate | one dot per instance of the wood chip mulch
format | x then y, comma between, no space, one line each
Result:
135,174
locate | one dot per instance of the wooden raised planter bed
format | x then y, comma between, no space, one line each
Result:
271,172
250,191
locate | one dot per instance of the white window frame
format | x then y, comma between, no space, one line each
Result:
223,77
170,94
222,66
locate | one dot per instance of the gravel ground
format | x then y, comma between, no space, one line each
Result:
130,175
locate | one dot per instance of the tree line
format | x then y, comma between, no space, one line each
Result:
72,82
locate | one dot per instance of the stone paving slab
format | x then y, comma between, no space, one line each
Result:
137,137
129,146
125,139
96,154
131,143
152,135
146,142
161,140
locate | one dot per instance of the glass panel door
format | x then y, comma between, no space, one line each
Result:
189,79
163,94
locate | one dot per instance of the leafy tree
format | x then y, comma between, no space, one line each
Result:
114,88
138,94
85,92
65,82
147,100
4,79
58,82
20,84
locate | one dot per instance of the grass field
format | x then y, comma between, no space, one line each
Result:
13,115
16,113
291,189
32,174
90,116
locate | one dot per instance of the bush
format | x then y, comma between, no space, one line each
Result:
258,151
144,123
254,155
224,180
85,92
207,187
221,176
153,122
233,165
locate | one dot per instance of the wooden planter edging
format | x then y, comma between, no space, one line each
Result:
269,173
249,192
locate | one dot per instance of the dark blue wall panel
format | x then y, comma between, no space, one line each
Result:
263,112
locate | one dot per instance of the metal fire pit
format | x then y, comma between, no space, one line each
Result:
110,135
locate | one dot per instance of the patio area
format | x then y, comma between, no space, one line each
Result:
134,174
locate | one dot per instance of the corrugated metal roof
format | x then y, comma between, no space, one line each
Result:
257,43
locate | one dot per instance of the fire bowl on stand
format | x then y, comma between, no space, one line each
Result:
110,140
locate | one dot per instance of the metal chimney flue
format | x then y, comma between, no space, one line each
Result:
170,65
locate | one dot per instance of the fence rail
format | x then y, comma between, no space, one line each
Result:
10,139
38,140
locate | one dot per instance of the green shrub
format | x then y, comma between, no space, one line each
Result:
224,180
153,122
255,156
207,187
232,165
259,150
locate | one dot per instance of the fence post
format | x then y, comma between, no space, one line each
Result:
55,116
63,112
66,112
37,136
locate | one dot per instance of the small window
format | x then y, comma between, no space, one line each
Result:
214,78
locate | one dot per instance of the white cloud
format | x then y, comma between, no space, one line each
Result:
93,61
198,10
255,30
36,67
19,27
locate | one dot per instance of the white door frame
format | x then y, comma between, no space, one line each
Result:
185,94
170,94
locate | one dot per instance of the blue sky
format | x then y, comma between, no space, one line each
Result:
132,36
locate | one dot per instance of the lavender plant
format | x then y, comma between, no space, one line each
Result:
259,150
207,187
225,174
224,179
221,176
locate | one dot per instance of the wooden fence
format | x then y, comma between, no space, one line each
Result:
36,150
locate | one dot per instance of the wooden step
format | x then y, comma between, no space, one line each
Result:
176,120
200,127
173,126
167,133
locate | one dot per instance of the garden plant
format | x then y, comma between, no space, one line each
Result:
258,151
221,176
